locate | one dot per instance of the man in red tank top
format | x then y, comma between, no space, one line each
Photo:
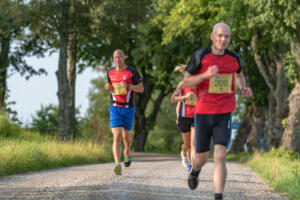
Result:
123,81
213,71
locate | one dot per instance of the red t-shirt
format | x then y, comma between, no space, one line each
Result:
215,95
123,97
187,105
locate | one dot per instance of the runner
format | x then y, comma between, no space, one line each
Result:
185,117
123,81
212,71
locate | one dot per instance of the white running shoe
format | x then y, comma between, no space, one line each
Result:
184,161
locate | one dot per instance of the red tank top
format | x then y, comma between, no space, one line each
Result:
215,95
187,105
120,96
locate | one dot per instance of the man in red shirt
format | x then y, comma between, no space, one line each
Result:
212,71
123,81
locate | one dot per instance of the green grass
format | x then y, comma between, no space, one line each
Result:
24,150
37,152
281,169
240,157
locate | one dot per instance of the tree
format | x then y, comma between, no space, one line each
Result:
128,25
282,18
194,20
253,121
14,44
61,24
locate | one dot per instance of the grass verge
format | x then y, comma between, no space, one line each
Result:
280,169
19,156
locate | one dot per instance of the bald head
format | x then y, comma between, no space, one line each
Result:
118,51
220,25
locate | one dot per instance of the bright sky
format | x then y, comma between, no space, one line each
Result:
30,94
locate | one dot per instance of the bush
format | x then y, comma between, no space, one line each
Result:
7,127
45,121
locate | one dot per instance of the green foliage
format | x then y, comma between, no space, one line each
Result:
45,121
283,123
281,169
286,154
165,136
240,157
290,69
97,123
8,129
18,156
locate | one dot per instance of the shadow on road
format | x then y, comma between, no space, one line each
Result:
154,157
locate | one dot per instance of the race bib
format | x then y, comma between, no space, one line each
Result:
191,101
118,90
220,84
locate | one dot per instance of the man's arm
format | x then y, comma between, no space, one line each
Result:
241,82
137,88
190,80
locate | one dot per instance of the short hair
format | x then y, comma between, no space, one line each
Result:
119,50
216,26
180,68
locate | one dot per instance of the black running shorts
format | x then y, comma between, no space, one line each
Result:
185,124
217,126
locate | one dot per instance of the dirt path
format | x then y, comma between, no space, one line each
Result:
151,176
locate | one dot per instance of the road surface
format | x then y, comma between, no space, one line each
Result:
150,177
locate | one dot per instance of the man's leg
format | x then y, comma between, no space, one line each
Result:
127,140
220,168
192,145
186,148
116,147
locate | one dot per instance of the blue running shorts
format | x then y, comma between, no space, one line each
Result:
121,117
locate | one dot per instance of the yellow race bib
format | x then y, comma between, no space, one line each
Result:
220,84
118,90
191,101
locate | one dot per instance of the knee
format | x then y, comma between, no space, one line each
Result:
118,139
219,157
186,146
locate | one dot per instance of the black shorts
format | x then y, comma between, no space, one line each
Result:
217,126
185,124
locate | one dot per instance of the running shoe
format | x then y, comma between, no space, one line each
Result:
127,160
193,180
189,169
184,161
118,169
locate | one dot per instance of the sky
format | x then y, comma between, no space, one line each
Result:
30,94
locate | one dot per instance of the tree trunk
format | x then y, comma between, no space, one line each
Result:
4,64
72,51
257,121
243,132
272,69
63,89
291,137
144,124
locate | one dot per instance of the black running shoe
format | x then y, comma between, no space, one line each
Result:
193,181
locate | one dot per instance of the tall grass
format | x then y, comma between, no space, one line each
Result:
21,156
281,169
23,151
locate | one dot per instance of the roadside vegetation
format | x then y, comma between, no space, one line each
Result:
28,150
279,168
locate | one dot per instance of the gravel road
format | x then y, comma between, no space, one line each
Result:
151,176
